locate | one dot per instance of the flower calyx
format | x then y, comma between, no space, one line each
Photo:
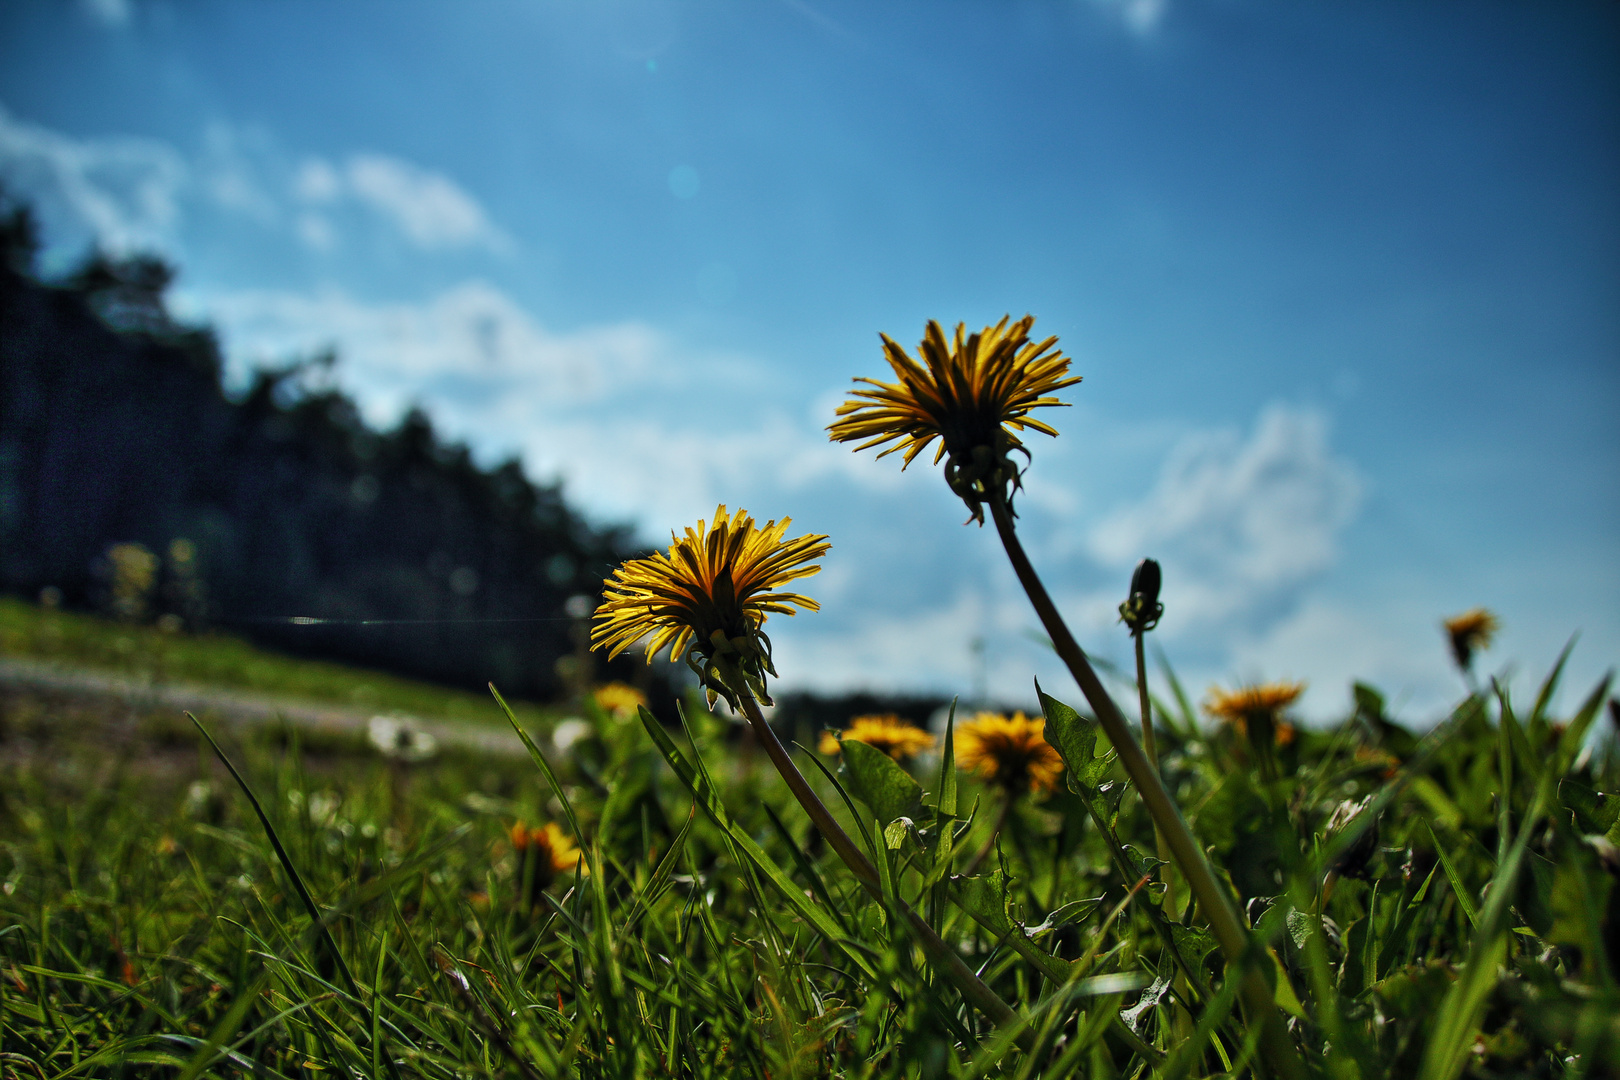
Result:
1141,610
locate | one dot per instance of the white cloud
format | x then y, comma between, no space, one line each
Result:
317,182
620,412
122,192
925,649
316,232
1238,522
232,165
432,210
473,336
128,194
1331,642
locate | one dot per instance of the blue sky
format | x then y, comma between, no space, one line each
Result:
1343,281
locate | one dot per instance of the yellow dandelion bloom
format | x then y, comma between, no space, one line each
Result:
1470,631
707,599
618,699
543,853
1267,699
972,394
888,733
1012,751
1261,705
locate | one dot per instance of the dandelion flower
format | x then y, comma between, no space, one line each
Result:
1012,751
542,854
1255,712
619,700
887,733
707,599
972,394
1239,707
1470,631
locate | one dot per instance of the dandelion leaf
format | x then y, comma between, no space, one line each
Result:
894,834
985,898
1248,838
1065,915
1075,738
1413,991
1194,943
1592,811
874,778
1150,999
1578,901
1142,863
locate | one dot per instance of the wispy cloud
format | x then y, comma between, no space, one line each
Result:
473,343
127,193
122,192
234,169
432,210
621,411
1239,522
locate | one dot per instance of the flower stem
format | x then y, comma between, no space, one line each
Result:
1216,904
1150,748
971,987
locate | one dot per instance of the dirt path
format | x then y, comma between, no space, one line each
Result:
237,706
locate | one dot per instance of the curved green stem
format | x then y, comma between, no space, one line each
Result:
1214,900
949,964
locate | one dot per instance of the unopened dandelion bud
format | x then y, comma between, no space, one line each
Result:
1146,579
1141,610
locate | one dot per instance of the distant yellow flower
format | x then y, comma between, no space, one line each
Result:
1012,751
708,598
971,395
1260,705
618,699
1470,631
887,733
1246,701
543,853
1380,759
134,573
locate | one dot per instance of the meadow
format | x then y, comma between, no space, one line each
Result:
386,918
703,893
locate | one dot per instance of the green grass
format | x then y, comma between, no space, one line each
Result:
149,928
147,653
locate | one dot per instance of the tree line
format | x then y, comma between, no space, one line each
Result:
133,482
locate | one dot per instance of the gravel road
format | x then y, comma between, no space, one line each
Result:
239,706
